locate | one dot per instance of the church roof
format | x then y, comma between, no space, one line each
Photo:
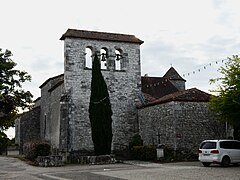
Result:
148,98
38,99
74,33
189,95
60,82
172,74
157,86
50,79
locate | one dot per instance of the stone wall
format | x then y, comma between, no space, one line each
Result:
123,86
64,124
179,84
17,131
54,124
102,159
45,111
49,161
181,125
51,92
28,127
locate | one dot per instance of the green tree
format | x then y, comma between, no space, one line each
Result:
100,111
227,102
12,96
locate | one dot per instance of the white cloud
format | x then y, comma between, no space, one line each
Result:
186,33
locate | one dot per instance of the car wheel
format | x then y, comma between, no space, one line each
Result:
225,161
206,164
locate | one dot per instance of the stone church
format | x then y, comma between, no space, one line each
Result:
160,109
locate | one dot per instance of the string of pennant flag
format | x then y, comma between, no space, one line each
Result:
205,67
196,70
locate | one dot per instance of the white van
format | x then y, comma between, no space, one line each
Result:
224,152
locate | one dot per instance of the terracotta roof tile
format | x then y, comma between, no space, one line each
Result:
172,74
149,98
74,33
190,95
157,86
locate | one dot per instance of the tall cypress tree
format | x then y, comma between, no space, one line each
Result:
100,111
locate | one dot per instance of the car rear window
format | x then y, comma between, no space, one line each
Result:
208,145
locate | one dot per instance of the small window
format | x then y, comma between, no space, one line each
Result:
45,124
230,145
103,58
224,145
88,57
118,60
236,145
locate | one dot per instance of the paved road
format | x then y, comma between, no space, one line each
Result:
11,168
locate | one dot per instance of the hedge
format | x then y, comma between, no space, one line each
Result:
144,152
32,150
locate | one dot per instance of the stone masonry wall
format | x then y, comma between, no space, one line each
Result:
50,107
28,127
181,125
123,86
17,130
45,111
54,124
179,84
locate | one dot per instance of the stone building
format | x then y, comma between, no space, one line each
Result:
144,105
175,116
64,119
27,127
180,120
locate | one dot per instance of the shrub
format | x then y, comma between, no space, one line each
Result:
186,154
181,154
144,152
32,150
169,153
135,141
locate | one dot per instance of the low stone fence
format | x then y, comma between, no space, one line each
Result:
12,150
54,161
50,161
102,159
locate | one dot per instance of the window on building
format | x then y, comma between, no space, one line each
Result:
88,57
103,58
45,124
118,59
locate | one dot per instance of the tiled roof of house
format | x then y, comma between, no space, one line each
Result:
157,86
74,33
189,95
172,74
148,98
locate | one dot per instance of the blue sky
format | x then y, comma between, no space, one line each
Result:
186,34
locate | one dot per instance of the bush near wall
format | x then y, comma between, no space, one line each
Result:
181,154
143,152
169,154
186,154
32,150
136,140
